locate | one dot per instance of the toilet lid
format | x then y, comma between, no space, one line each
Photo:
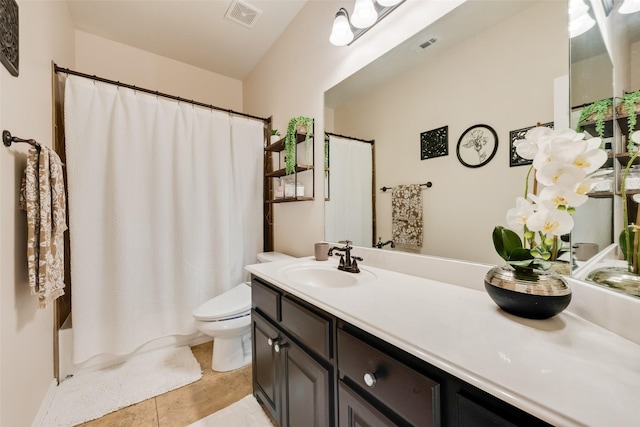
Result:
229,304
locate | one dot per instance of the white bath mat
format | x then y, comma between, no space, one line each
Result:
246,412
91,395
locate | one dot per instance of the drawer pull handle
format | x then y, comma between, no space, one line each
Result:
271,341
370,379
279,347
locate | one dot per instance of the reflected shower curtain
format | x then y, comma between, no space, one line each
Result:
349,212
165,210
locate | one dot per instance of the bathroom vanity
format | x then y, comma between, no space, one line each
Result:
386,348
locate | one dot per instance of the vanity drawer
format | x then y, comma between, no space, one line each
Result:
310,327
264,299
408,393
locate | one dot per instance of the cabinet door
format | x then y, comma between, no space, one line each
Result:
355,411
306,390
266,385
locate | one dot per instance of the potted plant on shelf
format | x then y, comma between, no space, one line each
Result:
629,105
597,112
566,165
296,125
275,136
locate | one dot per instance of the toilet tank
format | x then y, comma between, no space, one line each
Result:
272,257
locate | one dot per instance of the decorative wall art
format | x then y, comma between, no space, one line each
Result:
477,146
514,135
434,143
9,35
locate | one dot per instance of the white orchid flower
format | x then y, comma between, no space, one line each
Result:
568,175
635,137
590,160
533,141
517,217
563,197
550,221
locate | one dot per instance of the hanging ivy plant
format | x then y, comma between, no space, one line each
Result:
290,141
600,109
630,100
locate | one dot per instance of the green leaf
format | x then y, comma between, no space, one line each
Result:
521,254
623,243
505,242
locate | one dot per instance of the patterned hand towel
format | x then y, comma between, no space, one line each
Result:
42,197
406,216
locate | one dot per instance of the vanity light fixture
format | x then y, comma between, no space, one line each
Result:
630,6
366,14
579,19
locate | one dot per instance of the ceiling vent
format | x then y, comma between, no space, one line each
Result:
428,43
243,14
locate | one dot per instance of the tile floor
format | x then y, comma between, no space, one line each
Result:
185,405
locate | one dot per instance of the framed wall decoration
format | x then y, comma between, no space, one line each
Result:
9,39
514,135
434,143
477,146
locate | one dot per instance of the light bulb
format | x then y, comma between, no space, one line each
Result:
341,33
364,14
630,6
580,25
388,3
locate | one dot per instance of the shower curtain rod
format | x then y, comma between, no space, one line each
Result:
58,69
371,141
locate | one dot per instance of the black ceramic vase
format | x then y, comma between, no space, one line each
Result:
532,294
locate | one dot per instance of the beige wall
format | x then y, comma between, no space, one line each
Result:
292,78
26,370
495,78
116,61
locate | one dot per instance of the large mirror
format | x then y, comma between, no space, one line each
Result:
488,66
503,65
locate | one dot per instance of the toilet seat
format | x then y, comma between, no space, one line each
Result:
232,304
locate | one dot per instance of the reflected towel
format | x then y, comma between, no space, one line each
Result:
42,197
406,216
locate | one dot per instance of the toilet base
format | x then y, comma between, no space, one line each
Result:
231,353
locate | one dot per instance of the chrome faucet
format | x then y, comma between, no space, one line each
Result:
347,262
381,245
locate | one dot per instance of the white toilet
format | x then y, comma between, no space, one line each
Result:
227,318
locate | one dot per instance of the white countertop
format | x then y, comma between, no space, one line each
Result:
564,370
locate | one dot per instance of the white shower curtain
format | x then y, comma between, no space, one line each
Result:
165,209
349,212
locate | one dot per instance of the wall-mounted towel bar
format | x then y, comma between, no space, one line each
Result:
426,184
8,139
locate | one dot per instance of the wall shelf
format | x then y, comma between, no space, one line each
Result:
275,158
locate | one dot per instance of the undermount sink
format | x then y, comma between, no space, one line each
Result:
324,276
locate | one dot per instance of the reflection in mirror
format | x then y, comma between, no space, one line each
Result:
591,80
349,207
622,37
487,63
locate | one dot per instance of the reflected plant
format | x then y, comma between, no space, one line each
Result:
600,109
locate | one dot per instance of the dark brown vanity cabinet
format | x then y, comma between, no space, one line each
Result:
311,369
293,375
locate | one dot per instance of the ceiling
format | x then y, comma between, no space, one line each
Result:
195,32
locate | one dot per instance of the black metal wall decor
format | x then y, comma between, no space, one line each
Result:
434,143
9,35
514,135
477,146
